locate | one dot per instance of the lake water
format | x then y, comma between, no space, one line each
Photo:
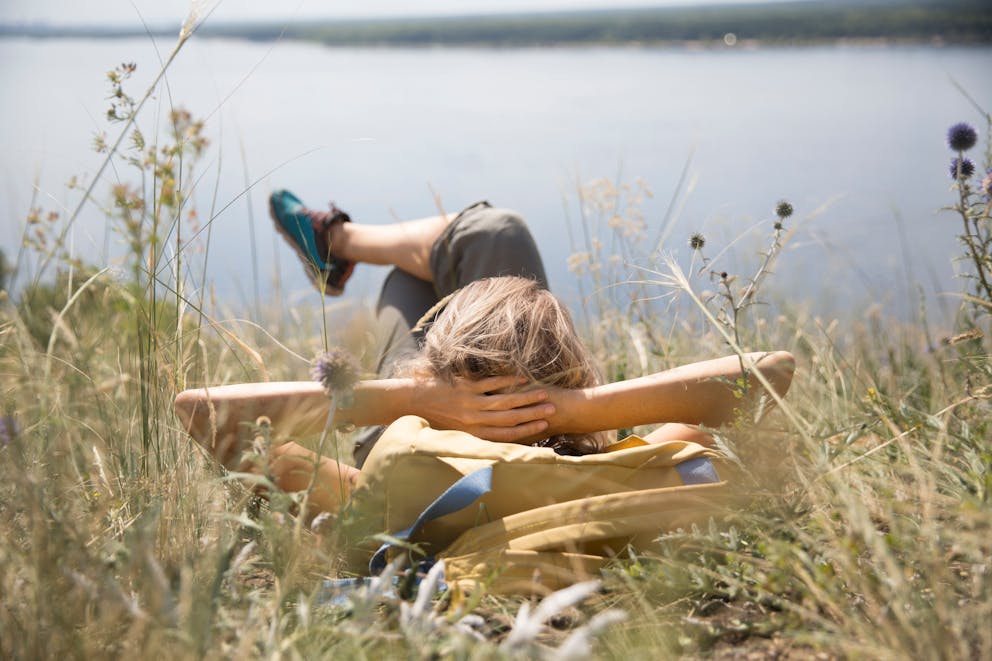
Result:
852,136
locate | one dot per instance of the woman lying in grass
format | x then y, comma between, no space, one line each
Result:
499,358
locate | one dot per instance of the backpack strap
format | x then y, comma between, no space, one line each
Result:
698,470
458,496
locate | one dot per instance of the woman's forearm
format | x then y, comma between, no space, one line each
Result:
493,408
221,418
377,402
704,393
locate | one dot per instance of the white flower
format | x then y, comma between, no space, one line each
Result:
578,645
420,619
527,627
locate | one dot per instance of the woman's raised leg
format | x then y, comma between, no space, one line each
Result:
450,252
406,245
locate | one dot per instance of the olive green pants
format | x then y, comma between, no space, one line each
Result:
481,242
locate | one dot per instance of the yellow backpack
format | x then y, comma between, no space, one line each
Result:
517,518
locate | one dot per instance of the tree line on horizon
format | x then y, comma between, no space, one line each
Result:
956,21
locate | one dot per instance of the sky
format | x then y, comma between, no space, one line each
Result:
126,12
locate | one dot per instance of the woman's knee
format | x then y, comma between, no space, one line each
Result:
492,227
677,431
499,221
490,242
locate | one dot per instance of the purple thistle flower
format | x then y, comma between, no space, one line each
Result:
336,370
962,168
961,137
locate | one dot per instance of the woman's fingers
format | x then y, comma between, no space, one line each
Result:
512,434
511,400
517,416
496,383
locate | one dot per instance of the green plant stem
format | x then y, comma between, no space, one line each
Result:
969,240
970,237
327,431
683,283
736,307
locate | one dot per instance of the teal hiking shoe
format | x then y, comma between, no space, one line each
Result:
307,231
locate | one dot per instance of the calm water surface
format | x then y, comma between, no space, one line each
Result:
853,136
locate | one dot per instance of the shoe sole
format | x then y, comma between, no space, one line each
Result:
317,277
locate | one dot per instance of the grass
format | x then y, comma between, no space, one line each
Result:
868,535
863,526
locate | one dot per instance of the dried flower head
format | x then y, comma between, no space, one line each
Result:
783,209
697,241
961,137
962,168
336,370
973,334
986,185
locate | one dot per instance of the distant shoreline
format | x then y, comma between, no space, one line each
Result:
806,23
689,45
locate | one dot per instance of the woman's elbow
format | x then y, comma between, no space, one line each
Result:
778,367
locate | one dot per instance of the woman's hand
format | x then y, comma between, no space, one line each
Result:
490,408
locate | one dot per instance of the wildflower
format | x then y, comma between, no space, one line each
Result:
961,137
962,168
783,210
336,370
697,241
8,430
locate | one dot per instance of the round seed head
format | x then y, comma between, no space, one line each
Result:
961,137
783,209
962,168
697,241
336,370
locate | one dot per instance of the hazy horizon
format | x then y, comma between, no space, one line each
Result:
123,13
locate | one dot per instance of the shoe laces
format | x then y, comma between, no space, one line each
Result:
322,220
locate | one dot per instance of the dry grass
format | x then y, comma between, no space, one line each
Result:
865,533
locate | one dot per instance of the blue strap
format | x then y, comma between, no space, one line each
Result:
699,470
458,496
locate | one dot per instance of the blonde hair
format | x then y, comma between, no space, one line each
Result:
511,325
